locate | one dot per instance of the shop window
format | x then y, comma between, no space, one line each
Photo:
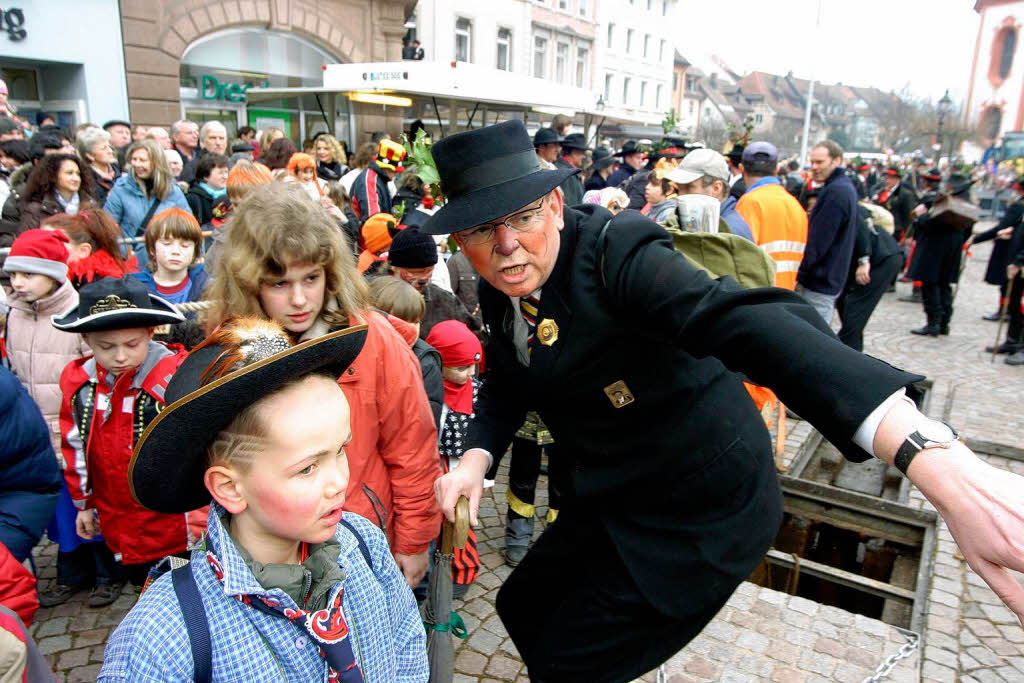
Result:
1004,48
504,51
561,58
582,60
22,84
540,56
463,40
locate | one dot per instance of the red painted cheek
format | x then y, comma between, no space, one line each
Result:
285,509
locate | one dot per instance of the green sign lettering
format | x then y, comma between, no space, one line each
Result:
212,89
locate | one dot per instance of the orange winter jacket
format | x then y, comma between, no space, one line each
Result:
392,458
779,225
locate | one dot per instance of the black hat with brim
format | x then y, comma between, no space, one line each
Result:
630,147
487,173
167,467
546,136
603,158
575,141
116,304
116,122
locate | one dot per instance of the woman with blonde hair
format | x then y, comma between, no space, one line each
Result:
145,189
285,259
330,158
267,138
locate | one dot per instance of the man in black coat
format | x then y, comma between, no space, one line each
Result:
574,150
1001,233
938,249
899,199
630,361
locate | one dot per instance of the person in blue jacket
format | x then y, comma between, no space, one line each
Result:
146,189
29,478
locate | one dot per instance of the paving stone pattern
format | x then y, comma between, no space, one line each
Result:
760,635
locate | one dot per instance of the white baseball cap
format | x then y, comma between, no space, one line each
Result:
697,164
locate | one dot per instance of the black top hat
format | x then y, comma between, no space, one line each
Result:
116,304
166,470
487,173
603,158
575,141
736,153
546,136
630,147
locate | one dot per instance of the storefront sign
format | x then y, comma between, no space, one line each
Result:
13,20
212,89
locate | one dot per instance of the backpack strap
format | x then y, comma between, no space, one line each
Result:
192,610
359,538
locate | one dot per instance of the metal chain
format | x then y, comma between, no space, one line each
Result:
913,640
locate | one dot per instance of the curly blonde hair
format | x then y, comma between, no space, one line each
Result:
276,226
337,151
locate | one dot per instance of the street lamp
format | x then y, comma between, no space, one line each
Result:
945,106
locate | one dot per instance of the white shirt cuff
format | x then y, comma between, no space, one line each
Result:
865,434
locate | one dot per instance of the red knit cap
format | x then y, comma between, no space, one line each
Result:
39,251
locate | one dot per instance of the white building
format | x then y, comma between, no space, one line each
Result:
995,101
634,59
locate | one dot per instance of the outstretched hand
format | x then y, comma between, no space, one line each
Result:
984,509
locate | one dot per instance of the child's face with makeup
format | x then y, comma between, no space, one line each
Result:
294,489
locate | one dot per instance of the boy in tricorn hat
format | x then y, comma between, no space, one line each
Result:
108,400
284,586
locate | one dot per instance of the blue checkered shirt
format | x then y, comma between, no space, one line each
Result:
151,644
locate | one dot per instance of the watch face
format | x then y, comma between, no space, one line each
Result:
933,430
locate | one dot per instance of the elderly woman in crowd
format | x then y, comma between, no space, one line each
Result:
146,189
60,183
93,145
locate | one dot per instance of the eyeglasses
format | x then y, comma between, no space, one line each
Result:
523,221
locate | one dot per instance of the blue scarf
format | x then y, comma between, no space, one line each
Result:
216,194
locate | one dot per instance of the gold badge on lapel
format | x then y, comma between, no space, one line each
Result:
547,331
619,394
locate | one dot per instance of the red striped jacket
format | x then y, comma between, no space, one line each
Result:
370,193
101,418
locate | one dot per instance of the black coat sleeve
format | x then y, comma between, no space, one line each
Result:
1012,217
770,335
430,364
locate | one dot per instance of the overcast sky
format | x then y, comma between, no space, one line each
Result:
885,43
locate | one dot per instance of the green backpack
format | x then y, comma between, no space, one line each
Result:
723,254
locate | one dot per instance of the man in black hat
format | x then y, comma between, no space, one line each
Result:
899,199
413,257
629,358
737,184
632,161
574,150
938,248
548,144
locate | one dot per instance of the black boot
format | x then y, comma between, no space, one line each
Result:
1011,345
931,329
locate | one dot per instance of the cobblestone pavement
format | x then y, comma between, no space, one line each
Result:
761,635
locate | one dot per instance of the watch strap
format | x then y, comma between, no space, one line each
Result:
910,447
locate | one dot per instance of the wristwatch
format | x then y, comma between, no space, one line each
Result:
929,434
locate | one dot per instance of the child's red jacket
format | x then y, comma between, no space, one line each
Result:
101,419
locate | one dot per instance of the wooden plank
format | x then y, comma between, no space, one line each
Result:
845,578
868,505
854,520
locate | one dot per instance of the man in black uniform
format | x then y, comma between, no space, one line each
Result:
899,199
937,252
1002,233
630,362
574,150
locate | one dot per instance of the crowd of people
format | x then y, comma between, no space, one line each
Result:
211,354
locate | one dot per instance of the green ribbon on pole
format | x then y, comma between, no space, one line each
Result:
455,624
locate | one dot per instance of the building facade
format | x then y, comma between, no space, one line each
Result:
197,59
64,58
635,58
995,99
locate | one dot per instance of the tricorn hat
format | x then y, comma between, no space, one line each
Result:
116,304
487,173
211,387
